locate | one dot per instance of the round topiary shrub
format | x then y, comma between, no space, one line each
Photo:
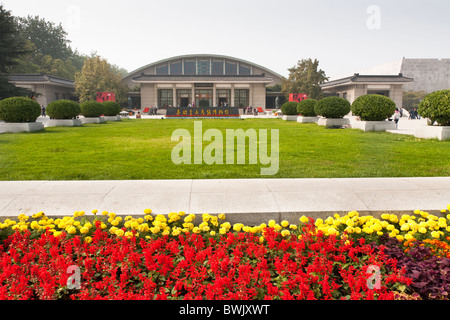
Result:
63,109
19,109
306,108
111,108
92,109
373,107
289,108
436,107
332,107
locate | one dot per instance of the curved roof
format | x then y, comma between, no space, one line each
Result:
190,56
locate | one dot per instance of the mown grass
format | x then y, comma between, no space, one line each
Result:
141,149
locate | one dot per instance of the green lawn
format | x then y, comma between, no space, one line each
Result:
141,149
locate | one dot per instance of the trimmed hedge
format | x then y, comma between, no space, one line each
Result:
111,108
92,109
373,107
436,107
63,109
289,108
332,107
19,110
306,108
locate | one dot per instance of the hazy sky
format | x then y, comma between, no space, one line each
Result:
345,36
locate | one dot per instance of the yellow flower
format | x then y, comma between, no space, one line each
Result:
115,223
88,239
72,230
422,230
147,211
119,232
237,227
284,223
304,219
408,236
105,213
148,217
221,216
84,230
285,233
272,223
95,211
213,233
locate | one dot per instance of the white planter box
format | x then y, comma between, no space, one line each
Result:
93,120
432,132
112,118
290,118
333,122
64,123
374,125
21,127
307,119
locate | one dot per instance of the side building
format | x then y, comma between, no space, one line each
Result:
207,80
47,88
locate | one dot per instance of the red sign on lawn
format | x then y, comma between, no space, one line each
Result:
106,96
297,97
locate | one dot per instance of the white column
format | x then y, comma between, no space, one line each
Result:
232,96
214,96
174,98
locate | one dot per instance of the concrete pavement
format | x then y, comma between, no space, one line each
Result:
250,201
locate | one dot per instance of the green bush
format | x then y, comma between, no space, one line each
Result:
306,108
111,108
92,109
332,107
289,108
63,109
373,107
19,109
436,107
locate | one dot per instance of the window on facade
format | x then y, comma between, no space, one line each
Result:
165,98
189,67
241,98
175,68
230,68
162,70
217,68
203,67
244,70
204,98
184,97
223,97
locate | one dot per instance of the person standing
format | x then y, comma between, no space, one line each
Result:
396,117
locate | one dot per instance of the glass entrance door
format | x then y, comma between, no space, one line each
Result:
203,98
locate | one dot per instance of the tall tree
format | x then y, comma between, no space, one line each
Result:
305,77
11,48
97,75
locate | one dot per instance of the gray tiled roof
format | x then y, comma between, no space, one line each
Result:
369,78
39,78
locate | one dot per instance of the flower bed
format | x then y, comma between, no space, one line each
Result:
177,257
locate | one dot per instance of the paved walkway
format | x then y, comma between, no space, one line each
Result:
246,201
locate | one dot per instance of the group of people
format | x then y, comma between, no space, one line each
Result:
251,110
153,111
414,114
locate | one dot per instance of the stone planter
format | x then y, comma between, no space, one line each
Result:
290,118
374,125
21,127
432,132
63,123
93,120
333,122
307,119
112,118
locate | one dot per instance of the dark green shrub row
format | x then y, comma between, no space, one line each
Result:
19,109
289,108
332,107
373,107
436,107
63,109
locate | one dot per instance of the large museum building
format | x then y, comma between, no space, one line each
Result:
203,80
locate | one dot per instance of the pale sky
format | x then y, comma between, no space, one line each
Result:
344,35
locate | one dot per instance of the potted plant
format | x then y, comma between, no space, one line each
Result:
63,113
435,107
333,110
111,111
289,110
19,115
92,112
305,109
373,111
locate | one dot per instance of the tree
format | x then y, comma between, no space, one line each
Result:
412,99
97,75
11,48
305,77
48,49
